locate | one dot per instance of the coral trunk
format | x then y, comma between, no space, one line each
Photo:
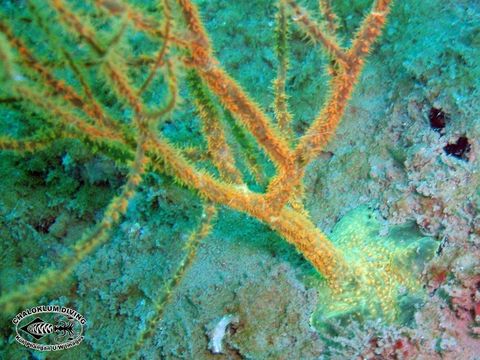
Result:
312,243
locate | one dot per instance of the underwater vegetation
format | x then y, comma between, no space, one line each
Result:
97,96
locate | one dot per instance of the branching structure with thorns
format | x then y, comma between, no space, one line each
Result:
146,87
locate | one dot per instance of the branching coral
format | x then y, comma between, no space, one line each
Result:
61,84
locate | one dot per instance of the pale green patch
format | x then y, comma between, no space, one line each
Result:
386,270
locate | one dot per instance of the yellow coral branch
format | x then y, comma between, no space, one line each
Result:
24,294
282,113
30,144
214,130
203,230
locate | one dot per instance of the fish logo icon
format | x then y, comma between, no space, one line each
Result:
39,328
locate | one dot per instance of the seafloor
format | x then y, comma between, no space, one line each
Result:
407,155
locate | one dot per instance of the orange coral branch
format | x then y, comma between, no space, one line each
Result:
140,21
161,54
248,112
323,128
114,69
214,130
295,227
31,144
330,16
370,30
315,31
342,85
81,29
232,96
65,117
90,108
